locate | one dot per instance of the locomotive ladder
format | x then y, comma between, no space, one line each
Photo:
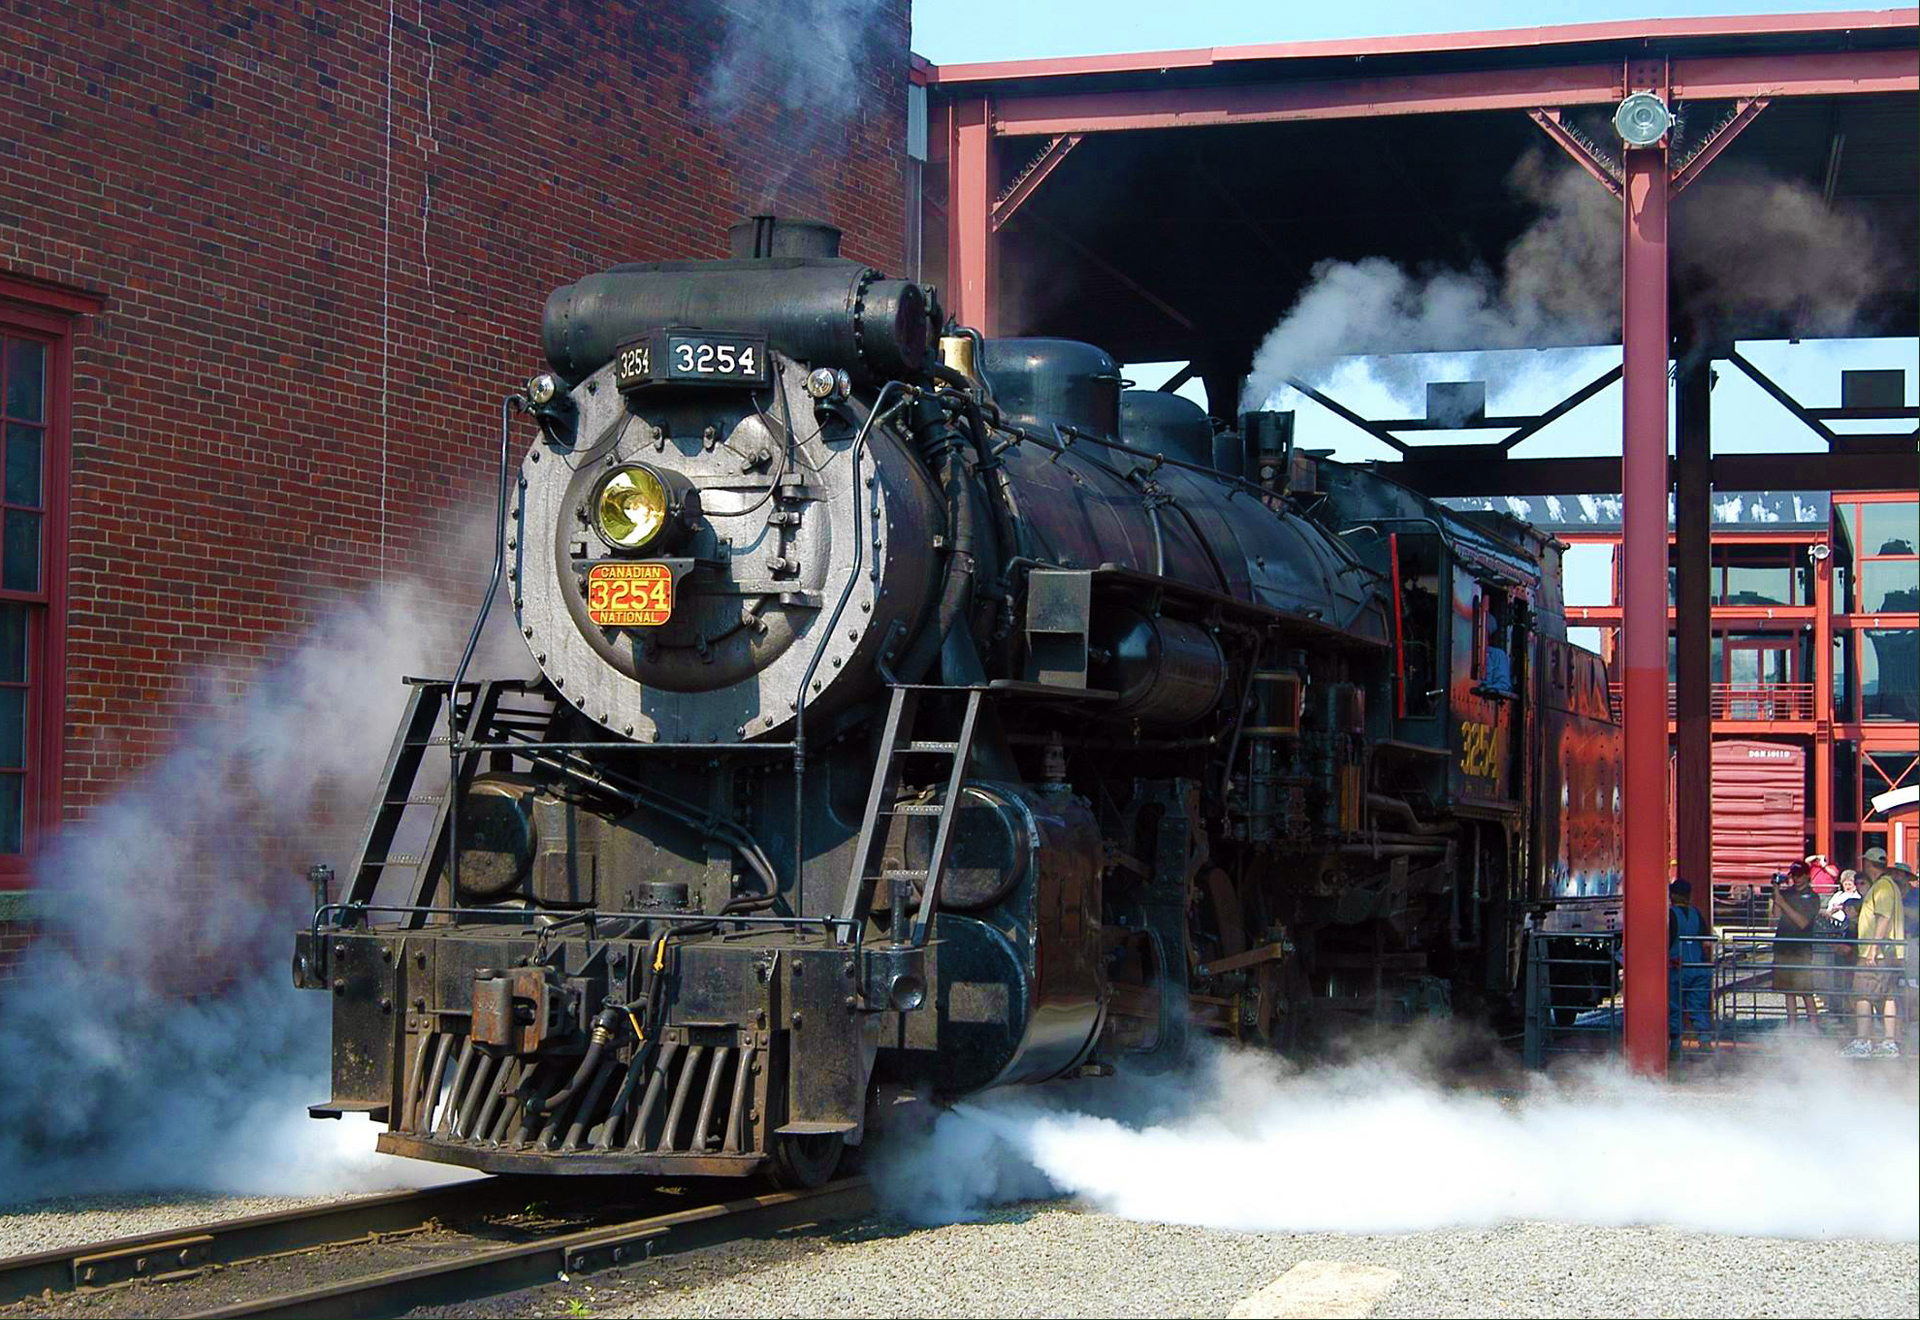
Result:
423,726
896,741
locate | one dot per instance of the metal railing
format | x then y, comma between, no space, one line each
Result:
1741,701
1574,991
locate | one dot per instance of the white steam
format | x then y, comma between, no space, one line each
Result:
154,1038
805,64
1246,1143
1743,246
810,56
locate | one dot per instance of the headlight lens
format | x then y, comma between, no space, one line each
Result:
631,507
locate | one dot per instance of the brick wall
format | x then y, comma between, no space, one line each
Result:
325,236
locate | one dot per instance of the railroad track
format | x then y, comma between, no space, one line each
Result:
470,1267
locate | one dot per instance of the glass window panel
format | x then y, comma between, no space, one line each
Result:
13,728
20,552
26,380
1890,674
1889,586
1759,586
23,465
13,643
1840,578
1889,529
1586,573
1842,675
1846,779
12,813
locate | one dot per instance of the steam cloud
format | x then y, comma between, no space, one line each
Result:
807,58
800,55
1743,246
154,1039
1246,1143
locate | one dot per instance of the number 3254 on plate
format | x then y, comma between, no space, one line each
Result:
630,595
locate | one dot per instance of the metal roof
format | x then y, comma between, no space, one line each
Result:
1735,31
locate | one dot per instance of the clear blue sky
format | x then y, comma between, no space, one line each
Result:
963,31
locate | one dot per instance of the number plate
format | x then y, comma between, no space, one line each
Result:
630,595
691,358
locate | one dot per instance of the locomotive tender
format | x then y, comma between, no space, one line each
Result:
920,714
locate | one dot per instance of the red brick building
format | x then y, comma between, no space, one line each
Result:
266,271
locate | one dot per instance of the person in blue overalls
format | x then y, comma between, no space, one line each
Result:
1689,975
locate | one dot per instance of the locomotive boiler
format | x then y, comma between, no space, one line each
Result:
922,713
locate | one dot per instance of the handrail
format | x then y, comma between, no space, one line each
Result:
1741,701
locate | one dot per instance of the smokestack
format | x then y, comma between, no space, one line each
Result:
764,236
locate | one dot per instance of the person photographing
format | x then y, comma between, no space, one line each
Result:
1796,911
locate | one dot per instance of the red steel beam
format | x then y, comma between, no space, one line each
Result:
1823,702
972,251
1563,137
1442,474
1643,484
1800,73
1032,177
1745,113
1807,73
1345,98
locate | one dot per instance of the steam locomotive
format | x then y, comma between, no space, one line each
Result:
919,713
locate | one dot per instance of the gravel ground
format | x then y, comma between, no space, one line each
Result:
1054,1259
64,1221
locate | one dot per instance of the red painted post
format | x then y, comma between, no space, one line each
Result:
971,294
1643,483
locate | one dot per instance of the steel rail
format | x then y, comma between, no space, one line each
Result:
494,1270
180,1253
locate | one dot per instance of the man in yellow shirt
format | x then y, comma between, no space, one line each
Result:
1877,979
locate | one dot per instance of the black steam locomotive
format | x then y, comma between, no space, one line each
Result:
921,713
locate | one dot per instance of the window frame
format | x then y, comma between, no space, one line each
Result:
48,314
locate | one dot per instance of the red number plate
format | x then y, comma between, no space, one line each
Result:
629,595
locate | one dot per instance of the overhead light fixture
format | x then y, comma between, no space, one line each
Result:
1642,119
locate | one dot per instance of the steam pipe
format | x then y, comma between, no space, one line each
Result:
826,638
1394,806
610,1017
508,406
956,591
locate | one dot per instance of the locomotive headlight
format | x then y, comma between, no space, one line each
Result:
630,507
